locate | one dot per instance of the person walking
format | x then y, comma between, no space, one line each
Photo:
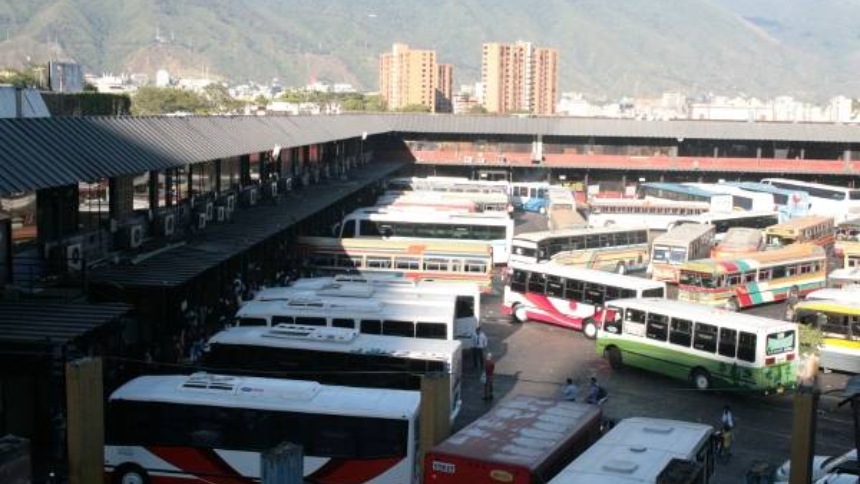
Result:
728,418
569,391
487,376
479,347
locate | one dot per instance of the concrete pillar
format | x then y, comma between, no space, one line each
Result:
153,190
121,203
435,409
217,186
168,187
244,170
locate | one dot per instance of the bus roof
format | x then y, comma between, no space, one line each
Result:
412,246
405,215
740,237
679,188
711,217
591,275
851,308
798,223
689,310
801,183
635,450
523,430
799,252
764,187
646,202
834,294
354,291
684,233
270,394
338,340
348,308
853,223
546,234
390,283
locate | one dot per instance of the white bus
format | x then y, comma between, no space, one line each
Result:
567,296
432,321
612,248
492,228
654,214
722,222
718,202
638,449
467,310
213,428
335,356
741,199
482,202
706,346
682,243
842,203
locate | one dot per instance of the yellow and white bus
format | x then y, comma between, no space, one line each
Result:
682,243
756,279
839,321
615,249
815,229
414,259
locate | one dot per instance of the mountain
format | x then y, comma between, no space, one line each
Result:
806,48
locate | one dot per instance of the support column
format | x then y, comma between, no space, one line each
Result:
121,203
217,186
244,170
153,190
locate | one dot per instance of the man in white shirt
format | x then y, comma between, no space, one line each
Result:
479,347
569,391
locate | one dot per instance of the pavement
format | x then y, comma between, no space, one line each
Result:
535,358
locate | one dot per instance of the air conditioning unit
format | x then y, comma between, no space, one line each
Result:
168,224
273,190
201,221
252,197
135,236
231,203
75,257
221,214
210,211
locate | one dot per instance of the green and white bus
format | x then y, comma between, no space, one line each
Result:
707,346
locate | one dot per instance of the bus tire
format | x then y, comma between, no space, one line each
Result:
519,313
130,474
701,379
620,268
732,304
589,328
613,354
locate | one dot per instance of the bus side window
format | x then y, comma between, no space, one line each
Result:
681,332
465,307
749,277
398,328
746,346
635,316
431,331
733,279
282,320
705,337
348,229
309,321
634,322
790,271
343,323
614,325
554,286
518,280
657,327
573,290
594,294
252,322
371,326
537,283
764,275
778,272
728,342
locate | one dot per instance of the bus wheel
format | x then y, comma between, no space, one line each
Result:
732,304
589,328
519,313
130,474
701,379
613,354
620,268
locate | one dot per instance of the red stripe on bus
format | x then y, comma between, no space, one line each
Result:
201,461
352,471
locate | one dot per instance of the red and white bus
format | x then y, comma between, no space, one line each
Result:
208,428
522,440
568,296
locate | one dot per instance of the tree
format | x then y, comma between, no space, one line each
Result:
148,101
415,108
261,101
477,109
811,339
19,79
219,99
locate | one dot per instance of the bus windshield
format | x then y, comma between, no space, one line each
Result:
698,279
673,255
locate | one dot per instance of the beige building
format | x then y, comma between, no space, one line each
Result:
412,77
519,78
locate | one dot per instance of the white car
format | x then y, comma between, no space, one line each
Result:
821,466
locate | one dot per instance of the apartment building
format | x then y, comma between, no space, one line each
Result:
409,77
519,77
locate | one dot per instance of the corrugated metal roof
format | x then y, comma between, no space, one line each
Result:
221,242
38,322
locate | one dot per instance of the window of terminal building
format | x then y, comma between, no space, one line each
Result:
21,210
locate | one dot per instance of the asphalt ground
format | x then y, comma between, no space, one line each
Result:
536,358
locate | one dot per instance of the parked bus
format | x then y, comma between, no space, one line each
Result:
482,202
213,428
407,202
638,449
723,222
717,202
618,249
448,184
682,243
522,440
434,320
654,214
335,356
393,289
493,229
790,203
850,255
738,241
571,297
847,235
844,278
412,259
562,213
530,196
842,203
812,229
839,322
706,346
755,279
741,199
